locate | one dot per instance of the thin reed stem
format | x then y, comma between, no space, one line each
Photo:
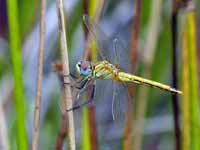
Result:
128,139
149,52
65,62
39,76
62,132
135,34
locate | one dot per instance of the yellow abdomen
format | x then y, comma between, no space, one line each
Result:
126,77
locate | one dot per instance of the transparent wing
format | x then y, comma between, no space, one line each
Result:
122,103
108,47
121,54
103,99
103,41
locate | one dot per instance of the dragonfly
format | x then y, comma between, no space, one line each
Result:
104,69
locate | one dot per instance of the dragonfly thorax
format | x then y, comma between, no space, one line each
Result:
106,70
84,68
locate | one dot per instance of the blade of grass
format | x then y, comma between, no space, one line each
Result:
185,101
39,76
65,62
14,36
86,143
191,97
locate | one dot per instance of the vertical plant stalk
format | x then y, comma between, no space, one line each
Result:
135,34
93,128
14,36
198,33
185,101
65,62
85,11
175,106
128,141
149,51
86,123
194,90
192,83
62,132
39,77
64,120
93,56
90,140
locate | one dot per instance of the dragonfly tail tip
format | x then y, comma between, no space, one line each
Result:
176,91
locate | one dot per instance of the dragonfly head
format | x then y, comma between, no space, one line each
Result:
84,68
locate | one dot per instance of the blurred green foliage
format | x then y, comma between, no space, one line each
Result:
28,12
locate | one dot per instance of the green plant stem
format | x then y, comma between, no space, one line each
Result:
15,48
90,140
193,75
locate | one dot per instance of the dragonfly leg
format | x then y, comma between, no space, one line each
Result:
74,78
79,84
113,100
82,84
86,102
82,87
